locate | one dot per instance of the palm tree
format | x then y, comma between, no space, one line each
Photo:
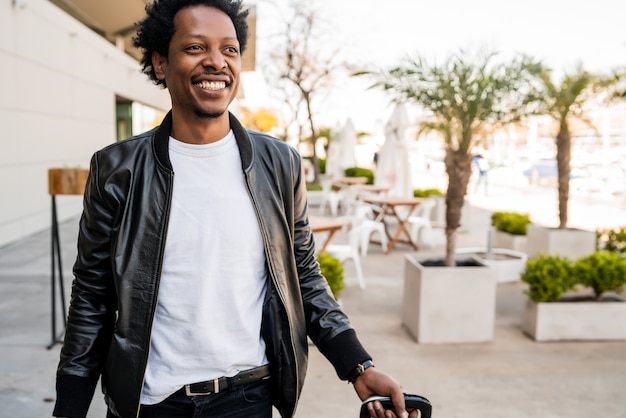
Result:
564,102
465,93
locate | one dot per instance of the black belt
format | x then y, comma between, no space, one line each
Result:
222,383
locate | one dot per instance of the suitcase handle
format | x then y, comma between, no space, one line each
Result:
412,402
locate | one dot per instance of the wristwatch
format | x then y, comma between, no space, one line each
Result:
359,369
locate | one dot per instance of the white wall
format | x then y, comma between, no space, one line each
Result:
58,82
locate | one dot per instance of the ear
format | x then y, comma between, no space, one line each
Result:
159,63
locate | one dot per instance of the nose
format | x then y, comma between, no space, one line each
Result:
215,60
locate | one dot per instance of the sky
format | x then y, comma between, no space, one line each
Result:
379,34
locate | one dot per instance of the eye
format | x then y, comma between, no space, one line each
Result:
193,48
232,50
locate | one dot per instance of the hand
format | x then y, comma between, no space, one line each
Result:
372,382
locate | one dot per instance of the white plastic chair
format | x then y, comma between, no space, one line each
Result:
364,220
349,251
331,198
420,225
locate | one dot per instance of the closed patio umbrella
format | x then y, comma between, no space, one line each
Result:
341,150
393,168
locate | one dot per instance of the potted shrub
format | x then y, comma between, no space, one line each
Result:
332,269
601,271
510,230
448,305
569,300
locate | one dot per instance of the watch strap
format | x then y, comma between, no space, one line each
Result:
359,369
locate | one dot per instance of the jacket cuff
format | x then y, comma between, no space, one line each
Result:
345,352
74,395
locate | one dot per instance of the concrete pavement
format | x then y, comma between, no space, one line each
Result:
511,377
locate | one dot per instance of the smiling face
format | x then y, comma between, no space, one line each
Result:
203,64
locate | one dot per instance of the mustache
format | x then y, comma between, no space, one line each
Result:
213,74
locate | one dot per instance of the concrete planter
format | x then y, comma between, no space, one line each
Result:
569,242
575,320
448,304
503,239
507,264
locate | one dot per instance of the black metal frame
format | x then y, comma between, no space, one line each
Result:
55,252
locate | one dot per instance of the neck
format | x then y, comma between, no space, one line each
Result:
199,129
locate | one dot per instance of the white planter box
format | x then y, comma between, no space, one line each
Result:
557,321
512,242
507,264
569,242
448,304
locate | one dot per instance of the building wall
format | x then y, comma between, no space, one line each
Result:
58,84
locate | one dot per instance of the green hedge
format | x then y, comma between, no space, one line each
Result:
603,271
332,270
549,276
427,192
511,222
360,172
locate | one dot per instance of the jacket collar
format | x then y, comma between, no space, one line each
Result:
162,136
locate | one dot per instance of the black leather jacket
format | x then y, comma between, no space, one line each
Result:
120,252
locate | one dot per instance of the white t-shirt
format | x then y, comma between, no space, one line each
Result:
208,316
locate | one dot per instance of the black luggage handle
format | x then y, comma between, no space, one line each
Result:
412,402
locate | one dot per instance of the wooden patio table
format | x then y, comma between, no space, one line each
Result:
388,209
327,224
362,190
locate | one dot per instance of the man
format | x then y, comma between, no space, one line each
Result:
482,166
196,281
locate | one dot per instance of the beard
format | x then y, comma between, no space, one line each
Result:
208,115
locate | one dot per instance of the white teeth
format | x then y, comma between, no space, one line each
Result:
212,85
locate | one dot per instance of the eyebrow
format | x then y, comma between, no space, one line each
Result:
225,38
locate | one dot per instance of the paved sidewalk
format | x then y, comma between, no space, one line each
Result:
510,377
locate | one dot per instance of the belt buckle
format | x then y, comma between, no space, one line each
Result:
216,389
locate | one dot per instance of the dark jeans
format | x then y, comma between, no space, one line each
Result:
252,400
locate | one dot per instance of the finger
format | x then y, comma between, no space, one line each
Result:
397,398
376,409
